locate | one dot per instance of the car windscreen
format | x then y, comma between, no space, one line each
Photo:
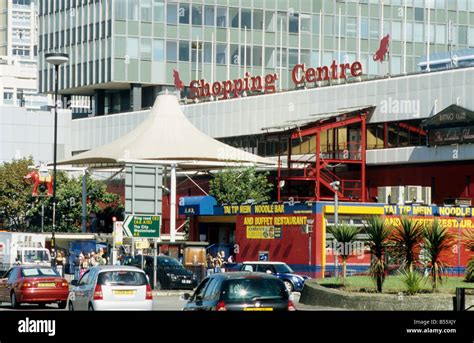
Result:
122,278
283,269
39,272
253,288
169,262
33,256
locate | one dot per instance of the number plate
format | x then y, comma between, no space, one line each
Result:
258,309
46,284
186,281
124,292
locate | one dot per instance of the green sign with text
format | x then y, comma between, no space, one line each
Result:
142,226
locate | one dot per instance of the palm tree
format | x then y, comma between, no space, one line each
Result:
344,235
437,239
469,240
378,234
406,239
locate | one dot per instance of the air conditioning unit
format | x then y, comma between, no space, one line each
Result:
397,195
413,194
383,194
426,195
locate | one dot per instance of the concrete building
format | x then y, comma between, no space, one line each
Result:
124,52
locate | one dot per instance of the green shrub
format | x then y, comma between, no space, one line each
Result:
413,281
469,275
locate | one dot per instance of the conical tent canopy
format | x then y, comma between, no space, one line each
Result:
167,135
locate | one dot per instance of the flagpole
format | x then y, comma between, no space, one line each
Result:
281,53
228,54
263,46
428,69
405,37
245,51
321,37
339,37
359,14
213,57
197,59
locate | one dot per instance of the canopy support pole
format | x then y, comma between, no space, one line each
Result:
173,205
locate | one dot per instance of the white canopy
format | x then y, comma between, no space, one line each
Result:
167,135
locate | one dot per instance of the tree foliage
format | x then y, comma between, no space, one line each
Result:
436,240
22,211
344,234
406,240
240,185
378,234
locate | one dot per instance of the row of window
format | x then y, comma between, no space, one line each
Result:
75,36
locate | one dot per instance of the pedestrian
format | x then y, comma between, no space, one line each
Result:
210,264
218,263
60,263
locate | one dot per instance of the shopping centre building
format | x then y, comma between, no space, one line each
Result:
398,140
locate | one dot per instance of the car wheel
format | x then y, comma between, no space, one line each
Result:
288,285
90,308
70,306
13,301
62,305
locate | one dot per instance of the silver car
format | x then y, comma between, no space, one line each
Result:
111,288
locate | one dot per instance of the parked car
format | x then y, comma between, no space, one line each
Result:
111,288
33,285
292,281
240,291
170,274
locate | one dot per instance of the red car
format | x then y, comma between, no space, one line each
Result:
33,285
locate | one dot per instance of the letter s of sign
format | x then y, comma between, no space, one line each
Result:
194,90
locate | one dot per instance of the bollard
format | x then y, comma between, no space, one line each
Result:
460,299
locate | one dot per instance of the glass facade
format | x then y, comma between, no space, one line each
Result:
142,42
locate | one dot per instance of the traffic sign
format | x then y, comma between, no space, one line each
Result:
142,226
118,233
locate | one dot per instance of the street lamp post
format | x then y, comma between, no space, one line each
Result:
335,186
459,220
56,59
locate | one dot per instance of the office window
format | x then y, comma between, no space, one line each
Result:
120,10
440,34
234,54
145,48
221,17
258,20
462,5
462,35
257,56
409,32
293,23
221,50
207,53
172,14
270,21
419,14
245,54
396,65
351,27
184,51
314,58
441,4
209,15
183,12
316,24
270,58
328,25
133,10
282,54
292,57
158,50
196,52
145,7
471,36
282,21
418,33
171,51
374,29
234,17
397,30
159,11
246,19
197,15
364,28
132,47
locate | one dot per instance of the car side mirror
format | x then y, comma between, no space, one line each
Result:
74,282
185,297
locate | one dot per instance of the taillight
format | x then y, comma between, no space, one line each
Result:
26,285
291,306
98,292
221,306
64,284
149,294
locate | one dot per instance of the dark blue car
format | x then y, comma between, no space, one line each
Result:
292,281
